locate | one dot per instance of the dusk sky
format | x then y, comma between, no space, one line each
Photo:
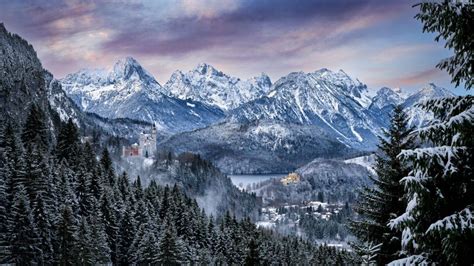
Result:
377,41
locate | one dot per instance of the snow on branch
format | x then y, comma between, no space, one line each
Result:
459,221
443,155
406,216
465,117
412,260
448,106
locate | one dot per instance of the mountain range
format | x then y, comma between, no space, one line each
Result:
249,125
129,91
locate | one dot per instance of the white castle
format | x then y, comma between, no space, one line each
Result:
146,146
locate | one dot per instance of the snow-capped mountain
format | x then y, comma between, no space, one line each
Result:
129,91
210,86
383,103
416,115
330,100
386,97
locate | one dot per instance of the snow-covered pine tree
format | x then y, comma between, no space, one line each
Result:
384,200
452,21
107,168
35,131
438,225
83,244
100,250
170,250
109,220
126,234
43,221
68,143
82,191
4,245
23,236
123,185
36,171
13,162
66,237
253,256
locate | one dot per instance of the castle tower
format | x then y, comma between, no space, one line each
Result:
148,143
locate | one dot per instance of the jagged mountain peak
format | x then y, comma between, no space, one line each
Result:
430,91
207,69
433,90
211,86
386,98
129,91
128,68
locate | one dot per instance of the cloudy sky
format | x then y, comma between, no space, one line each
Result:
377,41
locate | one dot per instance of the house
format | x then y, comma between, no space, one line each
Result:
290,178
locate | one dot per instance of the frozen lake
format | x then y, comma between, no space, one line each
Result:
244,180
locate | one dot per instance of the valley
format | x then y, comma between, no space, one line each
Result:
209,133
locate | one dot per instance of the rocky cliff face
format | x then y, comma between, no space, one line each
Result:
22,77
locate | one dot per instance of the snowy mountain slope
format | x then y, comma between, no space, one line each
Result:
332,101
129,91
208,85
383,103
367,161
417,116
258,147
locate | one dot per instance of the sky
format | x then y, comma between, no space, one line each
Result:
377,41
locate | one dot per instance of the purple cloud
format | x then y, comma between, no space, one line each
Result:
241,37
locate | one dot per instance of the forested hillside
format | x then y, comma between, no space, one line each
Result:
60,205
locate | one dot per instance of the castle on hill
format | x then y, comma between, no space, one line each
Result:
146,147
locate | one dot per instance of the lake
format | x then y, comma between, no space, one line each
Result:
243,180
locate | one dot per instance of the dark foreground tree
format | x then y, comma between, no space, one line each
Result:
384,200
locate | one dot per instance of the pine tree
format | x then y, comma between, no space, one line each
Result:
23,235
253,257
438,225
108,170
127,232
66,237
83,247
44,229
13,163
4,247
147,246
82,192
68,143
35,132
452,20
137,188
36,172
384,200
109,219
170,251
100,250
123,184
